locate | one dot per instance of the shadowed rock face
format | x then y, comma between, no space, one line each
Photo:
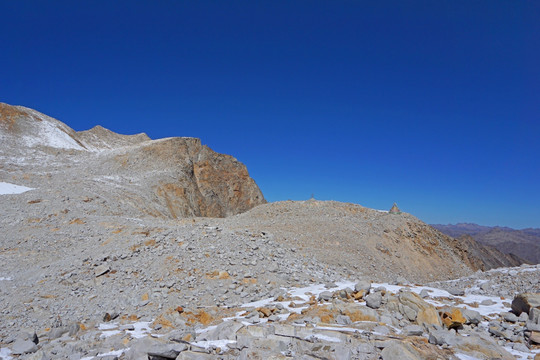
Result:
137,176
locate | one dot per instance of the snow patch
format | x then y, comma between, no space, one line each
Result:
519,354
50,134
109,333
8,189
110,353
466,357
222,344
142,328
5,354
108,326
5,279
323,338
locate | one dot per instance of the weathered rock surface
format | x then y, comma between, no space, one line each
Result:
525,302
172,177
416,309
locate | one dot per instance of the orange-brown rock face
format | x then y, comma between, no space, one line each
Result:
189,179
171,177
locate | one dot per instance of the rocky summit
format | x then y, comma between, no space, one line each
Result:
122,247
131,175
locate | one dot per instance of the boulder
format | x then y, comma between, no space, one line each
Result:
452,318
472,316
416,309
343,320
482,346
224,331
442,337
400,351
40,355
325,296
362,285
524,302
510,317
192,355
374,300
535,337
413,330
23,347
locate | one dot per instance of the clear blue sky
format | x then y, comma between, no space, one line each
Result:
432,104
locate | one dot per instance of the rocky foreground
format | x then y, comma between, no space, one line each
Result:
75,285
341,320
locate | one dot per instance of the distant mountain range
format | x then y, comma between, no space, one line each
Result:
524,243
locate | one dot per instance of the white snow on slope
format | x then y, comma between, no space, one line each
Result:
5,354
7,189
49,134
436,297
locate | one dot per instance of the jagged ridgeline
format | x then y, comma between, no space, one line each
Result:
129,175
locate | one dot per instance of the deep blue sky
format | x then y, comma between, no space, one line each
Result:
432,104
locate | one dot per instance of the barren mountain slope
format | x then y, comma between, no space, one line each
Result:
362,240
128,175
523,243
490,256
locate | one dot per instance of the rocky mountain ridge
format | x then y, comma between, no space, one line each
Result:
134,175
524,243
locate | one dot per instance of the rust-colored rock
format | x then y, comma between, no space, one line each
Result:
416,309
265,311
452,318
193,180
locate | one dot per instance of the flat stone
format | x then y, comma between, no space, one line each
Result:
482,346
535,337
224,331
343,320
325,296
57,332
20,347
101,270
442,337
472,316
381,329
167,351
413,330
457,292
510,317
400,351
191,355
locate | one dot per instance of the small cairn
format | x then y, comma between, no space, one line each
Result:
394,210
